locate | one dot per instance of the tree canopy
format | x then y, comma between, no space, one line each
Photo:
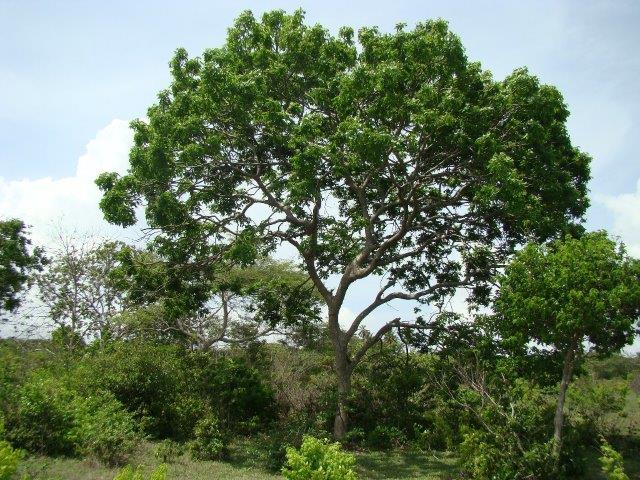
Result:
571,291
17,261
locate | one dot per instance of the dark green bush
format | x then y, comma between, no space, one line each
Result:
210,442
385,438
103,429
167,387
147,379
41,416
47,417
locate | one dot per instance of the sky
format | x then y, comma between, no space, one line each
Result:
74,73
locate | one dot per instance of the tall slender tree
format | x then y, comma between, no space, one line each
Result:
384,154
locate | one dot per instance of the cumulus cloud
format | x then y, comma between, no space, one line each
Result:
70,204
626,217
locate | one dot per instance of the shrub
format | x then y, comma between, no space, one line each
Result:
612,463
146,378
9,459
129,473
510,439
103,429
209,442
168,450
319,460
384,438
488,457
41,416
47,417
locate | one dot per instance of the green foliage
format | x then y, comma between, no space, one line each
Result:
47,417
210,442
486,458
612,463
319,460
9,460
509,435
167,450
591,402
41,416
569,291
129,473
17,262
150,380
103,429
385,438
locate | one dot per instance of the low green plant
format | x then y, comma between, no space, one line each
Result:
129,473
612,462
319,460
9,459
209,441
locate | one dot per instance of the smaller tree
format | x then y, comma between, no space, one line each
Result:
207,305
77,291
566,293
17,261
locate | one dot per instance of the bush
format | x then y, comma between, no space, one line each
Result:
489,457
103,429
49,418
41,416
209,442
319,460
612,463
385,438
9,459
147,379
168,450
510,439
128,473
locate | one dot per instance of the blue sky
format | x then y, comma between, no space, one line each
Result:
74,72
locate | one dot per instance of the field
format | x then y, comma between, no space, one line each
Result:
396,465
241,466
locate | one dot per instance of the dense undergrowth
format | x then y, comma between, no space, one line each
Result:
103,400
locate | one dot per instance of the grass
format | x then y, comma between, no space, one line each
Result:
242,466
406,465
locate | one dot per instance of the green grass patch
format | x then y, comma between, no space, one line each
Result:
242,465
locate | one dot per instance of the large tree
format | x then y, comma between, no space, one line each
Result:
17,262
381,154
566,293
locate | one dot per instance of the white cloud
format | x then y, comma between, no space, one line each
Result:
626,217
70,204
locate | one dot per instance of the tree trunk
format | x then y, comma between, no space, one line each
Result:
558,422
344,368
341,421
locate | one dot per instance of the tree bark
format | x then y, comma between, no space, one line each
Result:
344,369
558,422
341,421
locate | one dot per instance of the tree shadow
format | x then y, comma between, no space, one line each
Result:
406,465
